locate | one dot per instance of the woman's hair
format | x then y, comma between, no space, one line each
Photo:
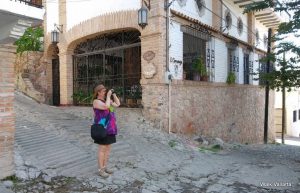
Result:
97,89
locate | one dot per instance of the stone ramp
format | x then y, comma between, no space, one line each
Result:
53,151
4,189
60,141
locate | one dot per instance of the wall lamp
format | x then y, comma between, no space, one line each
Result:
55,33
143,13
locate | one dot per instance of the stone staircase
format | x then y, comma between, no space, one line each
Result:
26,86
15,30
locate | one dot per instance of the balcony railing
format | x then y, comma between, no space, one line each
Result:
33,3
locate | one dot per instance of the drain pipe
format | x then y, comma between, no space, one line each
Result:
169,76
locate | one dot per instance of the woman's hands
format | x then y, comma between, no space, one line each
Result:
109,93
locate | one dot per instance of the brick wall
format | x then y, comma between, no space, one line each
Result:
7,115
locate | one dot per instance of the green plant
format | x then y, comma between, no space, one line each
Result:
199,66
172,143
119,91
215,148
231,78
30,40
82,98
12,178
135,92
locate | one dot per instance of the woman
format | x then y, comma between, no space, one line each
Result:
103,111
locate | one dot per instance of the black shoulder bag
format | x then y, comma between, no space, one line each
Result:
98,131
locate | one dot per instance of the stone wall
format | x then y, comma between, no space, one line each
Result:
7,115
232,113
31,75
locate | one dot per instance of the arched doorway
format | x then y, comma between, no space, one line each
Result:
55,83
53,57
113,59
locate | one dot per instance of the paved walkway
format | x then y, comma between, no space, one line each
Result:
4,189
60,141
289,140
54,141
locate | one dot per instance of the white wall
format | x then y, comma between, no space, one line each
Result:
263,31
78,11
190,9
292,104
20,8
52,14
236,12
176,50
221,61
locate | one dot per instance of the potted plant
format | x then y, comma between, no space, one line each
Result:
200,69
119,91
231,78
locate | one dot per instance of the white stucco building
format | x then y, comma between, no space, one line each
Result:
104,43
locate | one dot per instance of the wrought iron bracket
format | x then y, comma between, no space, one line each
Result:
58,27
147,3
167,4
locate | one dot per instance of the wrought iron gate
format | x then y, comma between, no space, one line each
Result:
113,60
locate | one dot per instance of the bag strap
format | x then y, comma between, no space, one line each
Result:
107,118
108,115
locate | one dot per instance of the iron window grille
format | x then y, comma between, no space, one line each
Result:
111,59
33,3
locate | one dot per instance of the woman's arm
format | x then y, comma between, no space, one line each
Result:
97,104
116,102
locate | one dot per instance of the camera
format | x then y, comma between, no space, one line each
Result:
112,91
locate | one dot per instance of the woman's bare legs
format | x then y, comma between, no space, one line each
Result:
101,160
101,156
107,152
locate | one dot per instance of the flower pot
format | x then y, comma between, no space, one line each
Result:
196,76
204,78
131,102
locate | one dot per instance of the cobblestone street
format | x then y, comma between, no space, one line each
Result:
54,153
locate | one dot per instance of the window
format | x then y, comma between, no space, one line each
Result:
294,116
201,6
228,19
194,48
246,69
240,26
257,37
299,114
233,61
265,41
262,69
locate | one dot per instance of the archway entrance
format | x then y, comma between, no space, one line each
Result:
111,59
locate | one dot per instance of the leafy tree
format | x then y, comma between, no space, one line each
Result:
30,41
287,74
